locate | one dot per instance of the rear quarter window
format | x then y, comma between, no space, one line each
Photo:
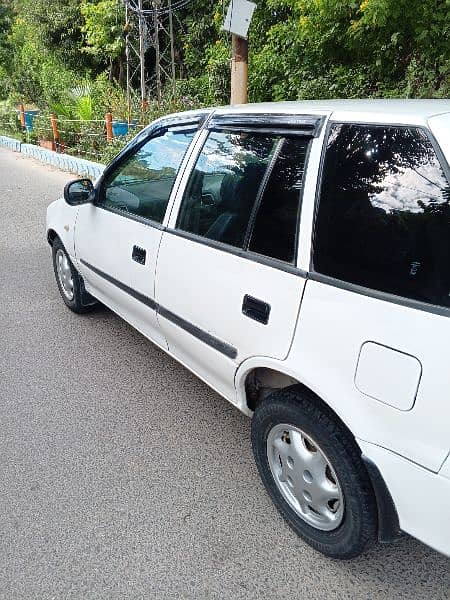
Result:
383,219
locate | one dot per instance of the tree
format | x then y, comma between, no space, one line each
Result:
298,48
103,29
6,18
58,25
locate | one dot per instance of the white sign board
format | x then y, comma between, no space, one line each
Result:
238,17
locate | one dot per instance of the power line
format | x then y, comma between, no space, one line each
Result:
132,6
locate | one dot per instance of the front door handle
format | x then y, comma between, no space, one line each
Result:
256,309
139,255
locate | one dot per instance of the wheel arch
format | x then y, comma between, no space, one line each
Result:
61,220
258,376
86,300
270,375
257,382
51,236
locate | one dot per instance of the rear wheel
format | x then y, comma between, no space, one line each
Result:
312,468
69,281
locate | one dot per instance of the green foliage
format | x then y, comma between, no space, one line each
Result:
201,29
77,103
324,48
67,57
42,127
103,28
103,25
56,26
85,109
196,90
9,121
343,48
108,96
109,151
6,17
34,74
218,71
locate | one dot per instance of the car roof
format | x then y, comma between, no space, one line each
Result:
433,114
413,112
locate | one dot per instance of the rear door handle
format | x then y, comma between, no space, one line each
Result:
139,255
256,309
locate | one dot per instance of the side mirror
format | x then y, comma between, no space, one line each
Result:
78,191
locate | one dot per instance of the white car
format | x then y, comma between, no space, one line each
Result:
296,257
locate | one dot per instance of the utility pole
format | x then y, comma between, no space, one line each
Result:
239,70
237,22
157,54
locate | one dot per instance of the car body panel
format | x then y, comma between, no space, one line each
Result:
420,496
206,287
61,218
334,324
440,127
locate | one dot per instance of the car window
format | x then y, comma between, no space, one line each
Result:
224,184
276,223
383,220
142,184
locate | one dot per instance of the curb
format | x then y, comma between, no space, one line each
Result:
10,143
66,162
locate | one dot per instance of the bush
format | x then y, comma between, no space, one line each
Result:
109,150
218,69
425,80
195,90
108,96
10,121
42,127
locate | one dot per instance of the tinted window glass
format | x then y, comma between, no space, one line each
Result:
384,217
275,229
143,183
224,184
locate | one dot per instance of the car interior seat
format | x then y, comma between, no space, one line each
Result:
237,197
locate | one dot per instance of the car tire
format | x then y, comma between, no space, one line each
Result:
69,281
311,467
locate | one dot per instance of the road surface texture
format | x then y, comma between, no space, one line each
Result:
124,476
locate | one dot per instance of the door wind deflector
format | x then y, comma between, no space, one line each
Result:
184,128
304,125
181,123
194,122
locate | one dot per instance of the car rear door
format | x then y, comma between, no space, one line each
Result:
227,284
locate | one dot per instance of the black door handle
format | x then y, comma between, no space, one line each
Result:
256,309
139,255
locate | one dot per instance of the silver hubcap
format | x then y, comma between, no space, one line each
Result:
64,274
305,477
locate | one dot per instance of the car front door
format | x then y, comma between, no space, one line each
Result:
227,283
118,236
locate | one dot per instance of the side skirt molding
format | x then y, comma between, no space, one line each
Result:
200,334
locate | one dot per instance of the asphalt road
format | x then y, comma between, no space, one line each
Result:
121,474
